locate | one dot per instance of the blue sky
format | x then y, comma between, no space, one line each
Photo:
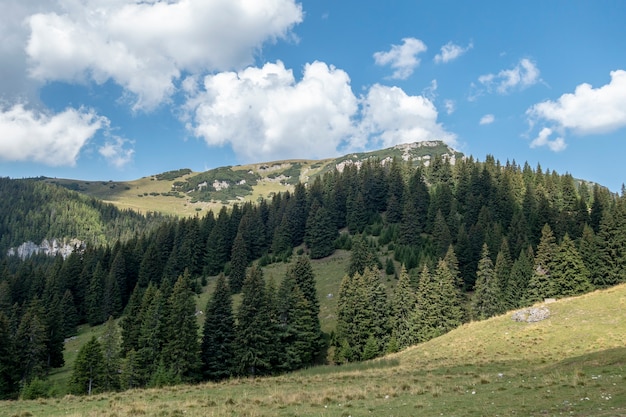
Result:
120,89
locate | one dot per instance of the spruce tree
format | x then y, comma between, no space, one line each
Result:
88,373
569,274
487,301
238,263
95,293
362,256
502,270
302,271
31,339
254,328
110,345
540,285
402,306
217,347
8,360
181,349
321,232
521,272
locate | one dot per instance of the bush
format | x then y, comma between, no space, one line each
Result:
36,388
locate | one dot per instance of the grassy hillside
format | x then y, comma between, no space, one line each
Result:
573,363
186,193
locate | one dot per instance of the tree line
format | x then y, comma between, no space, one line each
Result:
504,235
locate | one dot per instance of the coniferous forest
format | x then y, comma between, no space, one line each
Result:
466,241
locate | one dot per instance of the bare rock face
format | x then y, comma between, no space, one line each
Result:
47,247
531,314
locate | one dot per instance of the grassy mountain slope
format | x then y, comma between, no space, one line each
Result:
573,363
185,193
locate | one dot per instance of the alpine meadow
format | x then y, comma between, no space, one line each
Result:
413,280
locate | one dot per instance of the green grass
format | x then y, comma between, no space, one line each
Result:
573,363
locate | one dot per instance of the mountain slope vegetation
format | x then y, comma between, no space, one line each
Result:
425,248
573,363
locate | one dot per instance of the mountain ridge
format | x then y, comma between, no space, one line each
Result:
184,192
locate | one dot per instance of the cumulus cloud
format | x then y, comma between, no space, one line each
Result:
391,117
146,46
523,75
265,113
55,140
543,139
450,52
487,119
117,151
403,58
588,110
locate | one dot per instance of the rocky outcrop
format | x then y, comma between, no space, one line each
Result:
52,247
531,314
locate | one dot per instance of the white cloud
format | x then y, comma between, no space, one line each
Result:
588,110
543,139
450,106
391,117
265,113
402,58
117,152
28,135
523,75
146,46
450,52
487,119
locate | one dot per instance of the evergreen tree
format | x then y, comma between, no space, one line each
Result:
110,347
613,243
217,347
55,338
88,373
441,235
238,264
31,339
302,272
95,307
254,328
540,285
502,270
487,301
361,257
130,324
181,349
402,306
8,360
438,307
521,272
589,249
217,248
357,217
569,275
152,332
70,315
321,232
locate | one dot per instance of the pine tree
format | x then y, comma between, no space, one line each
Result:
217,348
88,373
441,235
254,328
487,301
70,315
130,324
110,346
589,249
502,270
